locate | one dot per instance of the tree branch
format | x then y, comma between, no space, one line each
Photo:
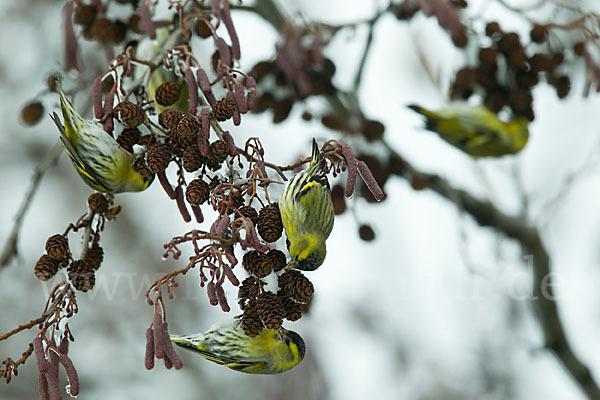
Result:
517,228
10,250
346,106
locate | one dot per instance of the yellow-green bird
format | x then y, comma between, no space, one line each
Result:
97,157
307,213
476,130
271,352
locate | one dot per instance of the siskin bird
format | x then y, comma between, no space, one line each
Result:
271,352
98,158
307,213
476,130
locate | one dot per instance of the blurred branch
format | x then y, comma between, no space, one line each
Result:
371,24
517,228
10,250
346,106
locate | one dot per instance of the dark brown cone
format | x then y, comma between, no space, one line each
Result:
170,118
250,321
540,62
248,291
45,268
158,157
517,59
81,276
120,31
538,33
509,42
202,29
84,15
104,30
257,264
557,59
249,212
32,113
97,203
563,86
488,55
130,114
197,192
141,168
167,93
188,126
492,28
338,197
579,48
223,109
217,154
181,142
465,77
57,247
128,138
94,256
373,130
277,259
296,285
269,224
134,24
192,159
270,310
292,311
366,233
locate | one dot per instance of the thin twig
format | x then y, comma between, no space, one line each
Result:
10,250
371,24
49,311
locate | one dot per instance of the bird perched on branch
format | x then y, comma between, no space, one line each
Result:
307,213
476,130
98,158
271,352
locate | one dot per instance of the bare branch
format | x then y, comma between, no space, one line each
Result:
10,250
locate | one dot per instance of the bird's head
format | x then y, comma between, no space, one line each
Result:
308,251
519,129
295,344
137,182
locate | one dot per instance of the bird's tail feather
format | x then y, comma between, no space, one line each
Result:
317,156
430,116
317,166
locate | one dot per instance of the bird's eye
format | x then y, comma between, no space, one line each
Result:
287,341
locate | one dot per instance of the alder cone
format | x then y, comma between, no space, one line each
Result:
270,226
170,118
94,256
251,323
294,284
223,109
158,157
57,247
249,212
45,268
167,93
270,310
292,311
130,114
81,275
128,138
97,203
197,192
